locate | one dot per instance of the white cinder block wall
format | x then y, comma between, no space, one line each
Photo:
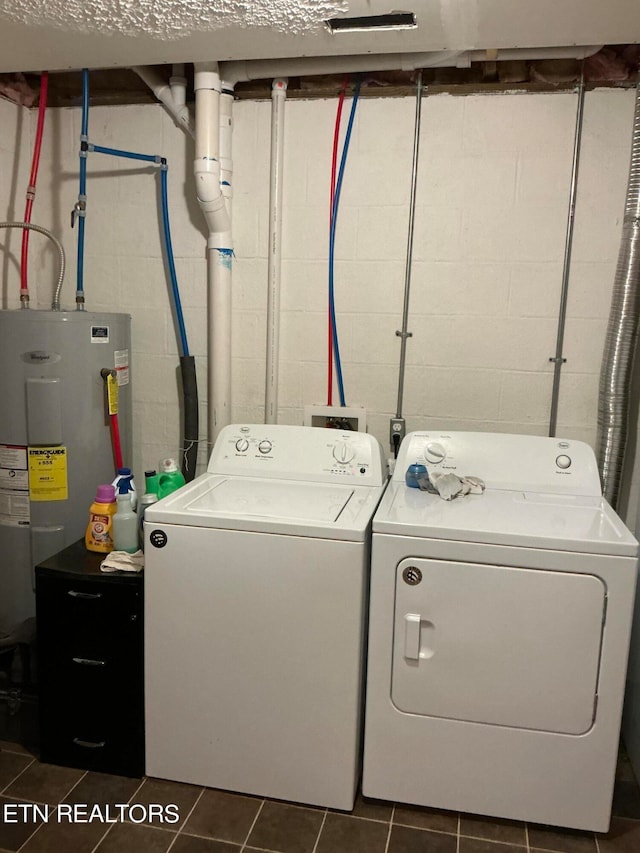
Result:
492,201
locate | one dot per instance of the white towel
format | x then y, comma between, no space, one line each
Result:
121,561
450,486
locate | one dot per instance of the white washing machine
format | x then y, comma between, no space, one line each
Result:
499,633
256,582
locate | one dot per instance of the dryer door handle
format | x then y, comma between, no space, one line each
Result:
412,636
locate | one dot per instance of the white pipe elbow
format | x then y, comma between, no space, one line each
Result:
211,200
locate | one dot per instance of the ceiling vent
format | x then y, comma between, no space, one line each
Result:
369,23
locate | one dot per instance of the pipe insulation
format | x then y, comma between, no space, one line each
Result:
622,332
191,419
274,260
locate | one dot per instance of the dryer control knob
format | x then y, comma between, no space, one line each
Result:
242,445
434,452
563,461
265,446
343,452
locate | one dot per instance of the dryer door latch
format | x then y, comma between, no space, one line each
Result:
412,636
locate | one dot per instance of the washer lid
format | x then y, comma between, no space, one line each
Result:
272,506
525,519
268,499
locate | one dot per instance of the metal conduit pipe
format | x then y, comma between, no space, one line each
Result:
558,360
274,269
622,333
403,334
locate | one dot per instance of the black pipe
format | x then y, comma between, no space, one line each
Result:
190,399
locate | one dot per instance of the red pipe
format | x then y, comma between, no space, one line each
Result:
334,161
117,447
31,189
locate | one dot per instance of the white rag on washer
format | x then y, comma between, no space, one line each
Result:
450,486
122,561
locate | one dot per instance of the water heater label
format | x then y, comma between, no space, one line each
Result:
99,334
14,508
48,473
13,456
121,364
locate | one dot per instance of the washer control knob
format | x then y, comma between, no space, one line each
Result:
434,452
563,461
265,446
242,445
343,453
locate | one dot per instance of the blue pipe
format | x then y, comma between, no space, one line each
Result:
166,229
170,260
130,155
332,240
82,194
85,102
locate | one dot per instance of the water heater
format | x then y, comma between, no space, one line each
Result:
55,437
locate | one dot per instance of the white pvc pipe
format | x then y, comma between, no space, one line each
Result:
218,341
207,173
503,55
274,269
164,92
262,69
226,134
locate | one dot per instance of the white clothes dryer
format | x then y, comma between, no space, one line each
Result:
256,583
498,633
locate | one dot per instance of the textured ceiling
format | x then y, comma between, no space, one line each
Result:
172,19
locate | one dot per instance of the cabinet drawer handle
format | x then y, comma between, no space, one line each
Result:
77,594
89,744
89,661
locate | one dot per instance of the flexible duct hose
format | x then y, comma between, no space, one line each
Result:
622,333
55,305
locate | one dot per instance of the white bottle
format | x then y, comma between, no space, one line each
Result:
125,475
125,525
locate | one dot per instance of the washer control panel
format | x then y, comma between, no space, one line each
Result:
513,462
299,453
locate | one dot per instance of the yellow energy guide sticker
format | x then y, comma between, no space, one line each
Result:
112,393
48,473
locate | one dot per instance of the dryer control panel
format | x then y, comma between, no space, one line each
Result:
314,454
510,462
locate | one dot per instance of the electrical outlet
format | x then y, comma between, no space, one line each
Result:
397,427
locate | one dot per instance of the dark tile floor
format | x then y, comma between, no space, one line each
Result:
219,822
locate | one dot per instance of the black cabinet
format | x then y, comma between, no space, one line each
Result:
90,664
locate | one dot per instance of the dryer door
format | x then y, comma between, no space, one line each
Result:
500,645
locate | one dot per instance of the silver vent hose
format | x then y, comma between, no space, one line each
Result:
622,333
27,226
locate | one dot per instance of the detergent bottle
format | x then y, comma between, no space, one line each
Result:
170,478
125,476
99,535
151,482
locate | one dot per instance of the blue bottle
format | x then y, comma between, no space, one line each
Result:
414,472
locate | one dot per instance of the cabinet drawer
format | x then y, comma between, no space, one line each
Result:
88,619
90,664
109,747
